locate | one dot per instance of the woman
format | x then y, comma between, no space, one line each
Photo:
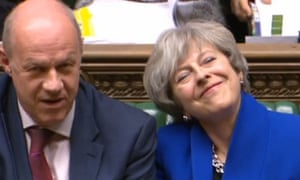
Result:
197,74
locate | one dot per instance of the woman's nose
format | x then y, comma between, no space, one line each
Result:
201,74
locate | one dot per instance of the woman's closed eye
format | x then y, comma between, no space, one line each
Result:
207,60
182,75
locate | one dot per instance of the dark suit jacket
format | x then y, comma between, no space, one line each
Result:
264,146
109,139
238,29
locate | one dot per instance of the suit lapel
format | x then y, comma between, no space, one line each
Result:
201,154
248,147
86,145
17,137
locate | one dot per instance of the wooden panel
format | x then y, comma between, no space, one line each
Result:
117,69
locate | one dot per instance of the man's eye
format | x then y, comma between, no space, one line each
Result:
65,66
35,69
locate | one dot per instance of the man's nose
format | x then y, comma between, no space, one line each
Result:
53,82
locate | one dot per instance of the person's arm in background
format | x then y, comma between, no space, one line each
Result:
242,9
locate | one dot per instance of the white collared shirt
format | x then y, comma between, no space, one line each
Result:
57,152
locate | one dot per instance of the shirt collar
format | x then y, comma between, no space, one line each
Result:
63,128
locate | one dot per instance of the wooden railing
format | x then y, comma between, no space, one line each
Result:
117,70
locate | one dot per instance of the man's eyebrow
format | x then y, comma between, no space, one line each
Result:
32,61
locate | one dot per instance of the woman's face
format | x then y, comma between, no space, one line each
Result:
206,85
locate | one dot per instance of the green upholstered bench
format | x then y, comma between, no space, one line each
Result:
163,118
282,106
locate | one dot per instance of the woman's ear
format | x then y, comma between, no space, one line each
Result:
241,76
4,61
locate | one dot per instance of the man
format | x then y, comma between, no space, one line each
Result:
95,136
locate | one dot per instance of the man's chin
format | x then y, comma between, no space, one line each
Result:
50,120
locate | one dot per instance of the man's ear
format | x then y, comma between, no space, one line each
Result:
4,61
82,44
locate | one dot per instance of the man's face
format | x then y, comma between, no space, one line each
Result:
45,68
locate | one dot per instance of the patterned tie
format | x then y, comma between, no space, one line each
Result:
39,139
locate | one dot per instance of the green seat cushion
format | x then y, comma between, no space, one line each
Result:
150,108
286,107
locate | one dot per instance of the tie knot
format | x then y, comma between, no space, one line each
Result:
40,137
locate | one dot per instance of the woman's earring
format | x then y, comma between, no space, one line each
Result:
186,118
241,82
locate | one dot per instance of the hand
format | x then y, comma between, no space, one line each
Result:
242,9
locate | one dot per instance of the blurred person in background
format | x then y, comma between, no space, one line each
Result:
236,15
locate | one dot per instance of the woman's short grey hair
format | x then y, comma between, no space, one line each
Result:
173,45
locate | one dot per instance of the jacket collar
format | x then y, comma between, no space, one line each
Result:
5,80
86,145
248,145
